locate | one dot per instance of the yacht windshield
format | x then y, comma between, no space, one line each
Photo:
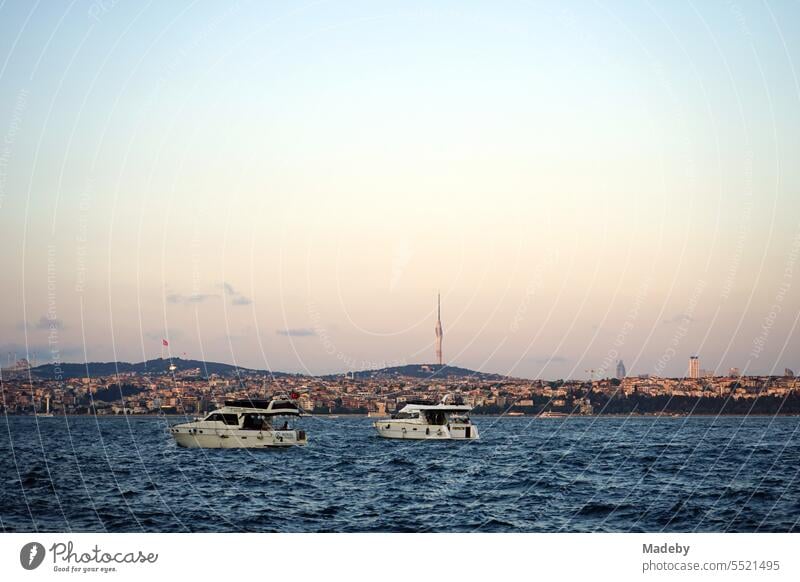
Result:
231,419
406,415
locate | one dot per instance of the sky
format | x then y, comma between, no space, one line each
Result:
288,185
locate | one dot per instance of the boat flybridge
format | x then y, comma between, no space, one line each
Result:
422,421
251,424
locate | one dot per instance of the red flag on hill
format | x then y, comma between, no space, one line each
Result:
164,342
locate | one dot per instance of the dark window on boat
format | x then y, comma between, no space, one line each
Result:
435,417
283,406
230,419
215,418
253,422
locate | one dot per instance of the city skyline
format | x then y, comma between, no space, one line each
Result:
15,363
289,196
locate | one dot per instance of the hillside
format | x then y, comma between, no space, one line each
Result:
421,371
156,366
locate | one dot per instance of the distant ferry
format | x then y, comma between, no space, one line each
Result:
243,424
551,414
46,413
424,421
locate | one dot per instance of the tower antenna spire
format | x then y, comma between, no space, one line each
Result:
438,329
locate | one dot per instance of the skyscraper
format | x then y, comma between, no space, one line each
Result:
694,367
620,370
439,332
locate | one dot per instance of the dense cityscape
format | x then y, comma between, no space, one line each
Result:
178,386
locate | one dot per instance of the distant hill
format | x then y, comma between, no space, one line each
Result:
157,366
161,366
421,371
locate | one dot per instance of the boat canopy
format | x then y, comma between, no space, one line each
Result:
273,407
436,407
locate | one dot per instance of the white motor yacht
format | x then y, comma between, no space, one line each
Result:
421,421
251,424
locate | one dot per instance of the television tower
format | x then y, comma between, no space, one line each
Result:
439,332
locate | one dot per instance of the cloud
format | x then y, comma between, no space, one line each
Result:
679,318
296,332
43,353
177,298
236,297
44,323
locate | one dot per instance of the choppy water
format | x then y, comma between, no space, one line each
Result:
580,474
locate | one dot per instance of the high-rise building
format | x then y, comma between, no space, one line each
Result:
620,370
439,332
733,372
788,372
694,367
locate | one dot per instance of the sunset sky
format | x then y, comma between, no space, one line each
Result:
287,185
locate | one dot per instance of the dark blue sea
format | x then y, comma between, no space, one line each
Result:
78,474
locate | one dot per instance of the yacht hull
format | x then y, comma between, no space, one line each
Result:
192,438
391,429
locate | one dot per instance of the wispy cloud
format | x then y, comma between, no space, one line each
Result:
179,299
679,318
236,297
44,323
42,353
296,332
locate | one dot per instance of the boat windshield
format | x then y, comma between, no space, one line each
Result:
229,419
414,414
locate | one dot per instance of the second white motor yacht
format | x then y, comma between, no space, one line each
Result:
421,421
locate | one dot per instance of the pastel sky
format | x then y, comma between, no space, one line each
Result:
289,184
